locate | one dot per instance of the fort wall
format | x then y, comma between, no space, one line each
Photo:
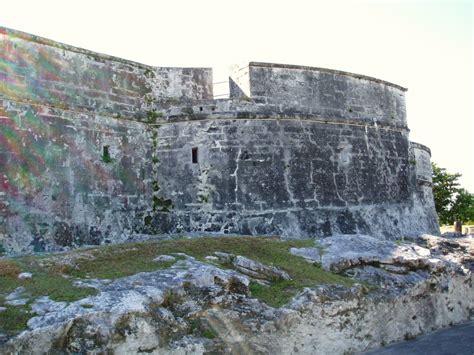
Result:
58,189
74,155
96,149
290,178
48,73
324,93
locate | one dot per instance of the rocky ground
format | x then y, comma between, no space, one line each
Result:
338,295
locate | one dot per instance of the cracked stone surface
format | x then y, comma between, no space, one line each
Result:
164,310
15,298
254,269
258,270
299,152
164,258
132,294
312,255
347,251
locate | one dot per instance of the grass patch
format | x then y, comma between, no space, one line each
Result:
118,261
9,269
43,283
202,328
127,259
14,319
171,298
303,275
53,277
275,295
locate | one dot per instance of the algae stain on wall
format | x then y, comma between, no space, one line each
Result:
159,203
61,107
54,183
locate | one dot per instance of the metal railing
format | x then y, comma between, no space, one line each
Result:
221,89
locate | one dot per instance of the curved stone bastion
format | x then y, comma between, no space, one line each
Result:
96,149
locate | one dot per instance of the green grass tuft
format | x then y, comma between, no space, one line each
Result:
54,278
127,259
43,283
87,305
14,319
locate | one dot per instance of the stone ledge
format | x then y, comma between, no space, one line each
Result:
326,70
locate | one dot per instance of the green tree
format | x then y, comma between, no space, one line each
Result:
463,206
451,202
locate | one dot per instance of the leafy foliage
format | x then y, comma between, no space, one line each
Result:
451,202
463,206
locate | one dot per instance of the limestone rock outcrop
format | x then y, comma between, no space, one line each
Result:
195,307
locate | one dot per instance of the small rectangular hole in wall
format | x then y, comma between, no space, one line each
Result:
106,158
195,155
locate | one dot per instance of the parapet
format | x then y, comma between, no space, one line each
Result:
421,159
321,92
41,71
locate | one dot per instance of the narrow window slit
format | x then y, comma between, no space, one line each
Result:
195,155
106,158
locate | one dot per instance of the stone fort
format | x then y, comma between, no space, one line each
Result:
96,149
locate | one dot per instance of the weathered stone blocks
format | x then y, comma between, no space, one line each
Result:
96,149
290,177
